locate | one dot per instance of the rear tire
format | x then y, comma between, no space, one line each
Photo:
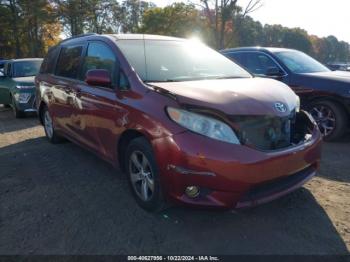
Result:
331,118
143,175
49,127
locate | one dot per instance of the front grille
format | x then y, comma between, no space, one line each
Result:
278,185
264,132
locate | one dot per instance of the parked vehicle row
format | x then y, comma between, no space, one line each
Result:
187,126
325,94
191,126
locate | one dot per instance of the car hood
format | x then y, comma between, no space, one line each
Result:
248,96
341,76
28,80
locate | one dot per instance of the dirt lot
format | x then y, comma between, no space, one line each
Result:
60,199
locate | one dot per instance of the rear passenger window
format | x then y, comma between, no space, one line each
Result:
100,56
48,65
69,61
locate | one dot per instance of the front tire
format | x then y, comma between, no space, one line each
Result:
331,119
17,113
143,175
49,127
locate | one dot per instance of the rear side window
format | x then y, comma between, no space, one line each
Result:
100,56
69,61
48,65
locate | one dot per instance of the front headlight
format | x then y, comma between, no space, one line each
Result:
24,87
23,98
203,125
297,104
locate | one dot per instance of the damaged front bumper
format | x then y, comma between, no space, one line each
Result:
236,176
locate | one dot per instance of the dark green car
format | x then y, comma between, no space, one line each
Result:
17,88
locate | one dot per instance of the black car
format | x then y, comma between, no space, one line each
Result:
325,94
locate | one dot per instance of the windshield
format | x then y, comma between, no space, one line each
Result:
167,61
298,62
26,68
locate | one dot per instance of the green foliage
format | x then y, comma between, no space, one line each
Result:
178,20
29,27
328,49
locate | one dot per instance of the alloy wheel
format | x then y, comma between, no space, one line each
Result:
325,119
141,176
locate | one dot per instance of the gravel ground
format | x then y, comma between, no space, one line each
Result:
61,199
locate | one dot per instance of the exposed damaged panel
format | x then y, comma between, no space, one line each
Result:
272,132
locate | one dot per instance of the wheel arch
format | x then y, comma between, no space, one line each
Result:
333,99
42,105
125,138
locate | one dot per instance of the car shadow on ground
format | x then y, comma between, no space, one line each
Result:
335,160
8,122
60,199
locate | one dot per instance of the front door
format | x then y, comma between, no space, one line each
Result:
97,107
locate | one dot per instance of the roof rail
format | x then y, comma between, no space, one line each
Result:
77,36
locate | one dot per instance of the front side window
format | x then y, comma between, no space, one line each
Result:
298,62
69,61
258,63
26,68
100,56
237,57
168,61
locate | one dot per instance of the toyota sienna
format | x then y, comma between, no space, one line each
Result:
186,124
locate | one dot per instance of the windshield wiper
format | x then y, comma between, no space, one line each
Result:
193,79
228,77
161,81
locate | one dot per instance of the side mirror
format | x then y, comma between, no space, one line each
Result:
1,73
98,77
274,72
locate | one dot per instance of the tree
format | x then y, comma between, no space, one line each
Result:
247,33
26,26
179,19
13,17
73,15
222,12
132,14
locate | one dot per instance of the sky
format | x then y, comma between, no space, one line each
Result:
318,17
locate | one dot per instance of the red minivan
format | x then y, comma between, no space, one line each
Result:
186,124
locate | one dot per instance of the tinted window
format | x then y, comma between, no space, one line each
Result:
69,61
164,61
48,65
123,81
237,57
99,56
258,63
